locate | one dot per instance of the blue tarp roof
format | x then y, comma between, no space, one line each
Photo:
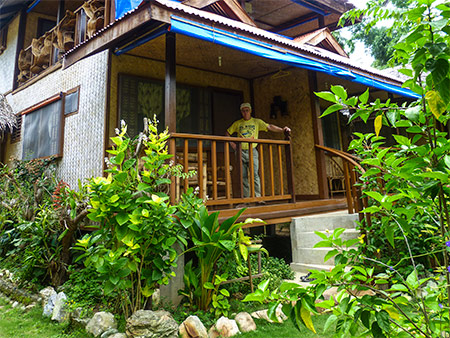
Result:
266,50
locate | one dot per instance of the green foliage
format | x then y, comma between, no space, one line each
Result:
211,241
407,187
33,230
133,249
273,269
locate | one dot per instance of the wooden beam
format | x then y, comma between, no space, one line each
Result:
295,22
118,32
329,5
199,3
318,136
170,107
239,12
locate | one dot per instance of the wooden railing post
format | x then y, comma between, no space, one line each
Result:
172,151
239,170
251,177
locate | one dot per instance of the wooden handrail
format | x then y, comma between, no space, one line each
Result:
210,164
356,202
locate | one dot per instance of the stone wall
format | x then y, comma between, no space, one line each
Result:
83,132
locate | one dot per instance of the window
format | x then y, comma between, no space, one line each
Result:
43,129
331,132
44,26
141,97
3,38
71,101
15,133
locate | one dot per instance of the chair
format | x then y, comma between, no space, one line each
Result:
335,177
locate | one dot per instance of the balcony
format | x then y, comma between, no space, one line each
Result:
48,49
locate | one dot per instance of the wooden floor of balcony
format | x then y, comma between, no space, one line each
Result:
283,213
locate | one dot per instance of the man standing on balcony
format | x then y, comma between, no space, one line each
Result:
249,127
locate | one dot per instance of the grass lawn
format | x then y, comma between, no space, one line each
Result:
15,323
287,330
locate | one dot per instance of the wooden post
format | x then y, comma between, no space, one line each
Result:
239,169
170,84
318,136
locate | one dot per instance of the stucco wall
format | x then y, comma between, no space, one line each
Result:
8,56
133,65
84,131
294,89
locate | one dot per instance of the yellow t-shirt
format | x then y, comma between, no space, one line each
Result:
248,129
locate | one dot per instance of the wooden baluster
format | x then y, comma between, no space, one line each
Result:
186,164
290,170
227,170
200,168
261,170
172,180
354,192
239,170
348,190
272,183
280,167
251,177
214,169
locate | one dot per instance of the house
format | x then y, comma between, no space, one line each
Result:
71,70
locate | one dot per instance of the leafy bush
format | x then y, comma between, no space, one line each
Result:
274,269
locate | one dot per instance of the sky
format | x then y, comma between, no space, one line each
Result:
361,55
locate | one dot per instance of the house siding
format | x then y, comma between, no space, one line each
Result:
133,65
294,89
7,58
83,132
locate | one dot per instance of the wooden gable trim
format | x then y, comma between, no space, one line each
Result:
199,3
323,39
238,11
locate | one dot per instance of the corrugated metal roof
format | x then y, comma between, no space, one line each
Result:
323,54
319,52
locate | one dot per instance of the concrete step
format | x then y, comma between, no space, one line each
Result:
312,256
322,222
304,268
309,239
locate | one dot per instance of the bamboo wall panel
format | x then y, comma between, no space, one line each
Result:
143,67
292,88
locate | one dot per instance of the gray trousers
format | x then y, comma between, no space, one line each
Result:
246,170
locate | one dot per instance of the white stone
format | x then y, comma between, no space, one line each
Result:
59,313
224,328
101,322
46,293
192,327
245,322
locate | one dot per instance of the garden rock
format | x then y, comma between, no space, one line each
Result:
262,314
245,322
101,322
46,293
118,335
59,312
192,327
49,305
151,324
224,328
108,333
75,317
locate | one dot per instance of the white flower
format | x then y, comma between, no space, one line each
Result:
122,124
117,131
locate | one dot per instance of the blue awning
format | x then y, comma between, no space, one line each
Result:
268,51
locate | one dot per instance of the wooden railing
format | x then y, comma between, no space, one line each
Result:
219,169
356,202
71,30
